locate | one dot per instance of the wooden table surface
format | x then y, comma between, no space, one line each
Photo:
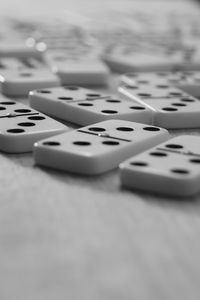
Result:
70,237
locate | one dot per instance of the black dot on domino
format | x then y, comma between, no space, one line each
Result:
125,129
15,130
144,94
109,111
22,110
93,95
175,93
8,103
169,109
2,108
36,118
162,86
96,129
132,87
179,104
180,171
26,124
150,128
51,143
110,143
65,98
44,91
143,81
158,154
71,88
85,104
139,164
195,160
113,101
82,143
187,100
174,146
137,107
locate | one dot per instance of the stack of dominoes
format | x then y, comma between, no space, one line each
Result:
129,131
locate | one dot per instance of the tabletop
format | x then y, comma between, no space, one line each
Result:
65,236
